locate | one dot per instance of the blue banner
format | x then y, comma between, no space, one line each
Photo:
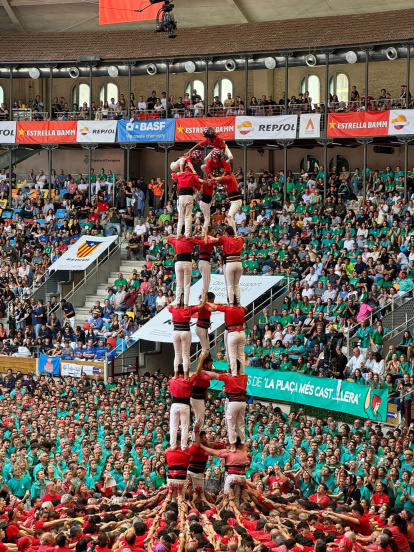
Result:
153,130
49,365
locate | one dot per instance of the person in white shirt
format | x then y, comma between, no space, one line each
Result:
142,106
349,242
312,277
140,230
308,291
307,197
40,181
239,217
329,293
112,104
2,175
356,361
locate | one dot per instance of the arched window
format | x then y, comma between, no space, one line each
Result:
223,87
2,95
80,94
309,162
339,85
108,91
195,84
311,84
339,161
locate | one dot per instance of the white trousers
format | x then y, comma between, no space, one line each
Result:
234,207
205,270
72,322
96,188
202,334
175,166
234,271
235,413
235,351
237,481
179,415
183,279
196,480
185,208
205,209
182,344
199,408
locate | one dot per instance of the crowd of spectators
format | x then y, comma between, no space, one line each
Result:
346,261
83,468
193,105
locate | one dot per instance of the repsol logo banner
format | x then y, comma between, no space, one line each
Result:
7,132
96,131
266,128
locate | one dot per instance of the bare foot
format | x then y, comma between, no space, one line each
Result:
175,375
186,375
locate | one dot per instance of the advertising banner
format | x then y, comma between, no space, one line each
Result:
46,132
82,253
356,124
160,328
49,365
192,129
310,125
331,394
266,128
154,130
96,131
401,122
7,132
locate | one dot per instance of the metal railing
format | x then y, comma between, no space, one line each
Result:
387,313
266,300
259,108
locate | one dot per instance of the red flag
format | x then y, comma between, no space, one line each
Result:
124,11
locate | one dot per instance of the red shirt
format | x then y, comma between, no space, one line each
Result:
48,497
182,315
231,245
323,500
231,184
363,527
180,457
208,188
233,316
213,167
203,317
234,385
205,249
187,180
380,498
181,388
215,142
184,245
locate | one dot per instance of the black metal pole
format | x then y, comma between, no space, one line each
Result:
10,174
367,50
50,93
325,122
129,90
167,87
11,92
405,163
246,82
407,103
90,93
286,81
